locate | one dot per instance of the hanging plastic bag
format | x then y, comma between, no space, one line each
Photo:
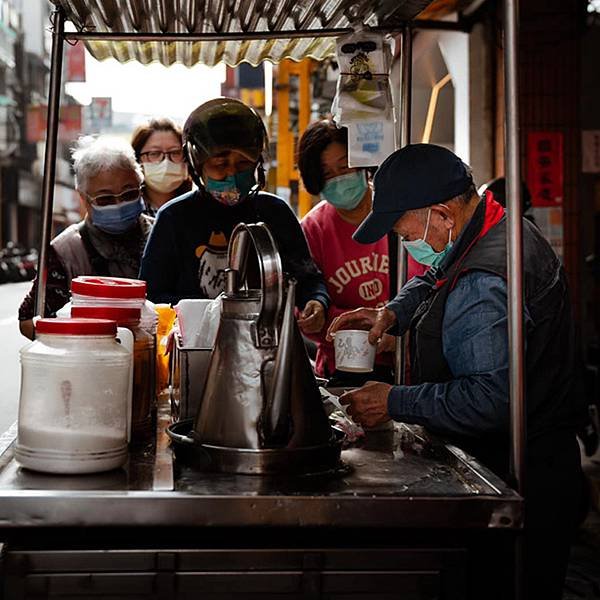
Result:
363,101
363,87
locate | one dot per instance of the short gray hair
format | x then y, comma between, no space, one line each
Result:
91,155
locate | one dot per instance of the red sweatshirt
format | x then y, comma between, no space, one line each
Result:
356,274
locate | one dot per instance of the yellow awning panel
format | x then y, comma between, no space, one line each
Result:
241,30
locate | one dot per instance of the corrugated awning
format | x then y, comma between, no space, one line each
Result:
233,31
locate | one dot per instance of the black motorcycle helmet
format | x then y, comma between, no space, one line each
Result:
220,125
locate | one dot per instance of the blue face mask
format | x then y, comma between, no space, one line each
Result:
233,189
117,218
346,191
423,253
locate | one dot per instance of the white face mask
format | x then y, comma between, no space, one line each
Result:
165,176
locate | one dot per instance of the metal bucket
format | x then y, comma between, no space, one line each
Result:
189,367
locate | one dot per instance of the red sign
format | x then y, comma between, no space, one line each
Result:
545,167
69,126
75,62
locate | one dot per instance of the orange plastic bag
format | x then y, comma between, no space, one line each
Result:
166,319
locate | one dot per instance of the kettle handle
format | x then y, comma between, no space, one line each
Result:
271,274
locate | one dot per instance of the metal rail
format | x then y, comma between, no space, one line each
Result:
405,122
58,21
254,35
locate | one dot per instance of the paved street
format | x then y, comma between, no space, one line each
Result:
11,295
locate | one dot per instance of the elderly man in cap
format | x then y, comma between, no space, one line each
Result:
457,319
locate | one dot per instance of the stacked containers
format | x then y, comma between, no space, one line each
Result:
123,300
74,398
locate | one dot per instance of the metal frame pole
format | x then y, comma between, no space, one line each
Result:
405,121
514,242
58,22
514,247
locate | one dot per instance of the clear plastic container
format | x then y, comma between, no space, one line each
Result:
90,290
74,401
119,292
143,364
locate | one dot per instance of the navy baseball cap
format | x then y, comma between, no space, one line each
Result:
415,176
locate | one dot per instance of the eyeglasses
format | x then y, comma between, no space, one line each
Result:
156,156
109,199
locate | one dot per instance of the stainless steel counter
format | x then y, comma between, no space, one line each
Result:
401,478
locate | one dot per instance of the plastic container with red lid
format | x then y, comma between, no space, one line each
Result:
122,315
75,397
89,290
109,287
143,363
77,326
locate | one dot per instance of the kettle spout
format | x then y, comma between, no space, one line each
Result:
276,419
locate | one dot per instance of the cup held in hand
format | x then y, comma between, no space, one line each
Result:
353,352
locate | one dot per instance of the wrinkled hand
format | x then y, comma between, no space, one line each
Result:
387,343
377,320
312,318
368,404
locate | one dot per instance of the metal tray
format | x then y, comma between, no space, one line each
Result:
397,479
286,462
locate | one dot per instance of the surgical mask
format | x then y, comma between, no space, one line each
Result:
117,218
165,176
346,191
423,253
233,189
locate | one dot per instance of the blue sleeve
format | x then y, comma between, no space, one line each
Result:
475,345
160,254
404,305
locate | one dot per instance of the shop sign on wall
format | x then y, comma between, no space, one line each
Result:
545,169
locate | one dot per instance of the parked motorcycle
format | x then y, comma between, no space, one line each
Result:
17,263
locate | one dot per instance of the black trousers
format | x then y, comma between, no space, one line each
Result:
556,501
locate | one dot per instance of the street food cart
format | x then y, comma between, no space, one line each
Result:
405,515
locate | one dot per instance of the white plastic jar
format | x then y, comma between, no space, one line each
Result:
75,397
116,292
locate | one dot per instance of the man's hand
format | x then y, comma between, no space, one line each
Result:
387,343
368,404
377,320
312,318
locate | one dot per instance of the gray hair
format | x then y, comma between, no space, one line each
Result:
91,155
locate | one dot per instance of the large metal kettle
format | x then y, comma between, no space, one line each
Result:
260,390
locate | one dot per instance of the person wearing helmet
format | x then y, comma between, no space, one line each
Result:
186,255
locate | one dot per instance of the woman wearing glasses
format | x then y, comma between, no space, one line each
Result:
111,237
158,148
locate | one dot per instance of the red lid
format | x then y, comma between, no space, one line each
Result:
108,287
112,313
76,326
